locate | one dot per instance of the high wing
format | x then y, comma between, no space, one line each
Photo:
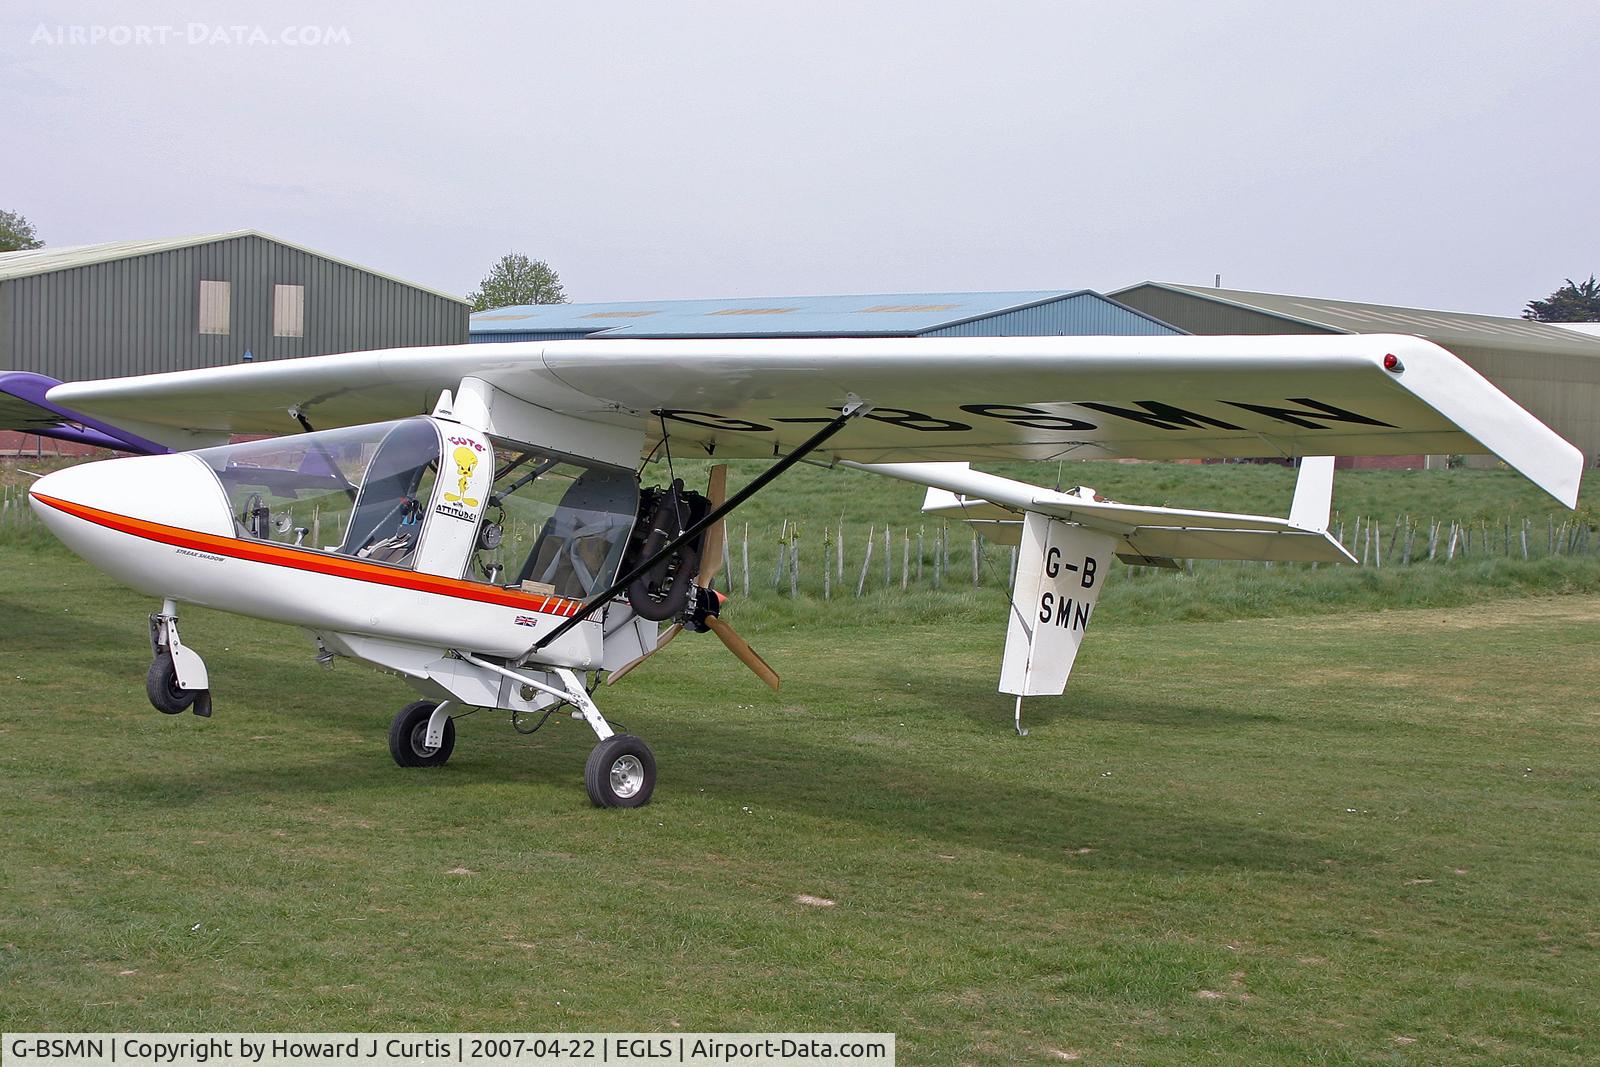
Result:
932,399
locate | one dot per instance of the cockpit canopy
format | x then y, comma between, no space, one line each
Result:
549,523
357,491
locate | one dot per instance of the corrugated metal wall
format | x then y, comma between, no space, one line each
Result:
141,315
1208,317
1563,392
494,338
1079,315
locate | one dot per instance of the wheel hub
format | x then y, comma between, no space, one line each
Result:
627,776
419,740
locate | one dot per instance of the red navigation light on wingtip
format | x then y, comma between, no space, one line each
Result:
1391,363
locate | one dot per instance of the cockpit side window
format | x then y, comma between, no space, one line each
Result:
561,524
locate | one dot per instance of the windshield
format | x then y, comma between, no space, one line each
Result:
359,491
562,523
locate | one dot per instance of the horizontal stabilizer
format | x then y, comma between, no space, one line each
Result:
994,506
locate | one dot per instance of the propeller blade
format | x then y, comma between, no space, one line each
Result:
616,676
711,552
741,648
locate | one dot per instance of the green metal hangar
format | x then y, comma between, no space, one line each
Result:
1551,371
1040,313
138,307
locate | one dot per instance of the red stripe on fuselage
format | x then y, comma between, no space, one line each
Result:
317,562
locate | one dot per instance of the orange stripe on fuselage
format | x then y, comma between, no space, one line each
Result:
318,562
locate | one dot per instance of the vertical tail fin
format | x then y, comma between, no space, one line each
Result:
1313,494
1061,568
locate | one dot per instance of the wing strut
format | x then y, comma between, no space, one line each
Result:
854,408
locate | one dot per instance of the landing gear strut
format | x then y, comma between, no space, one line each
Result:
177,679
621,772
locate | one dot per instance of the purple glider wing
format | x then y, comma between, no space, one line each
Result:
24,406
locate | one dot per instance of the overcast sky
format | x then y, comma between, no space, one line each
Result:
1435,154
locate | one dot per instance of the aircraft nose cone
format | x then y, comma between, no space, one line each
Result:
54,486
94,507
68,486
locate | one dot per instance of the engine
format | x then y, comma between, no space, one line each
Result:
666,589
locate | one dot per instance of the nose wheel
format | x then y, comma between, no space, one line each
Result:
177,680
409,740
167,696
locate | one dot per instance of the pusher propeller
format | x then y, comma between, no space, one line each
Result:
741,648
616,676
711,550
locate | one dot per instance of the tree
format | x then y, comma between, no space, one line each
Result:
1573,302
16,233
516,279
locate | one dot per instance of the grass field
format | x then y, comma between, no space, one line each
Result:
1264,836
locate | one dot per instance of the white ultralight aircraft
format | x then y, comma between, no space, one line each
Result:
471,518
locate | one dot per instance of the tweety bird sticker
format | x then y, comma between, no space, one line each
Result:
466,465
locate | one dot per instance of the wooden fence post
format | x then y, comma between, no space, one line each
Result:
866,561
827,564
783,552
905,561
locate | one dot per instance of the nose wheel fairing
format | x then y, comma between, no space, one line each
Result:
178,679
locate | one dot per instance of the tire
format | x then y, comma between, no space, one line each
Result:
410,727
621,773
161,686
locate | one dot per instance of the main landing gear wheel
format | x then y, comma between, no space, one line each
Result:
408,735
161,686
621,772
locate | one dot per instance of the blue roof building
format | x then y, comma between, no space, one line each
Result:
1037,313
